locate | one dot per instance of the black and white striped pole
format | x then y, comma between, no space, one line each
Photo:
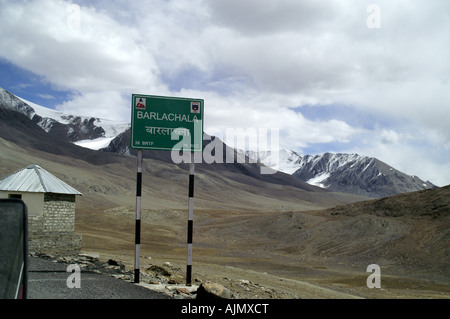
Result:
190,221
137,252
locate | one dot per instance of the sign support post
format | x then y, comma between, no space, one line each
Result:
166,124
137,252
190,221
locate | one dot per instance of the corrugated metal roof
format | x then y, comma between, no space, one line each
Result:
35,179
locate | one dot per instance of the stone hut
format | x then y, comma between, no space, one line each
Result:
51,209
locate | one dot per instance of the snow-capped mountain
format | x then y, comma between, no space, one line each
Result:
90,132
349,173
20,132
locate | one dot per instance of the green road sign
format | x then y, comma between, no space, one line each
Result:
166,123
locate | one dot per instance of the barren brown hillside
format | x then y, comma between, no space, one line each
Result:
297,254
268,229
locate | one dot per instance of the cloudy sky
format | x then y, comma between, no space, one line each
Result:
371,77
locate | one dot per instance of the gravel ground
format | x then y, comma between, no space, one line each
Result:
48,280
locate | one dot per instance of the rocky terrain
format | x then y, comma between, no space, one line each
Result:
259,236
298,254
59,126
348,173
341,172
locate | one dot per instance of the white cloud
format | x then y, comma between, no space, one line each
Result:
99,57
412,151
253,62
46,96
253,17
427,163
330,55
104,105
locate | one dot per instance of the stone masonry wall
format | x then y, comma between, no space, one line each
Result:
59,212
54,231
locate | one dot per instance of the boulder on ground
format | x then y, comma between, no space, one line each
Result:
210,290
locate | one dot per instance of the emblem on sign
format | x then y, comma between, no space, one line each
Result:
195,107
140,103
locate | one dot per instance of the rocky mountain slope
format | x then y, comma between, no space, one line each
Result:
69,128
405,234
349,173
107,179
